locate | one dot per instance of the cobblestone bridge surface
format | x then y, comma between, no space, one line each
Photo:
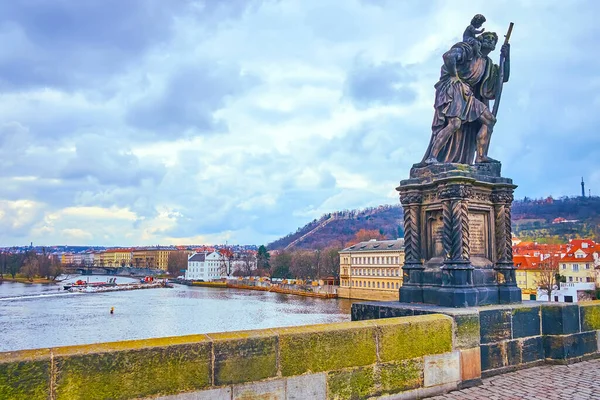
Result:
548,382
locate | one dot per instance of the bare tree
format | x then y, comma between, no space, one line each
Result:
15,261
331,262
30,266
226,261
55,268
548,277
177,261
303,264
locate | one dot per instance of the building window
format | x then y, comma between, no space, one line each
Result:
564,266
587,266
575,267
570,279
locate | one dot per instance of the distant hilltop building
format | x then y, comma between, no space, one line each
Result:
372,270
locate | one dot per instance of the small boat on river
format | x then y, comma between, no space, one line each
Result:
81,284
119,287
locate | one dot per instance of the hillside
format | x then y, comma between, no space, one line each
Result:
532,220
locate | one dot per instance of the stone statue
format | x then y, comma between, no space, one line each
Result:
471,32
463,123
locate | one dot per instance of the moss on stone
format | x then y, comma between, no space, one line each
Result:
354,384
133,373
411,337
326,347
590,317
466,331
25,380
128,345
401,375
244,357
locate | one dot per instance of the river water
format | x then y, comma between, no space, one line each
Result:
38,316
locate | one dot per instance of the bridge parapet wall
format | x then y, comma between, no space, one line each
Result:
414,355
513,336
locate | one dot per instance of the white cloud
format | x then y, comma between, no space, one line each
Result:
200,121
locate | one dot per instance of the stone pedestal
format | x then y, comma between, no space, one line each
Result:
457,236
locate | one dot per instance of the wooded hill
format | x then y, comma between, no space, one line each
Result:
533,219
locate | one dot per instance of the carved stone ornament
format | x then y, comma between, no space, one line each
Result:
454,191
411,198
480,196
502,197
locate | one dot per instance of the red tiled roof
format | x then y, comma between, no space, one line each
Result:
525,262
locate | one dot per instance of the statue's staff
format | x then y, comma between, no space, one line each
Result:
501,73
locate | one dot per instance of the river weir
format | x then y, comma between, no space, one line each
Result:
39,316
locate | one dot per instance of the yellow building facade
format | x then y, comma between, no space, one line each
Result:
114,258
372,270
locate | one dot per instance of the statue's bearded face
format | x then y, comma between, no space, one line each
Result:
488,41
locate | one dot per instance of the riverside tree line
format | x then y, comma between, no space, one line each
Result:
29,265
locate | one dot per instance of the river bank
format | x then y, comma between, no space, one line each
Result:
23,279
67,318
323,292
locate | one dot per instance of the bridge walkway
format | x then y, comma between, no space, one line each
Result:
547,382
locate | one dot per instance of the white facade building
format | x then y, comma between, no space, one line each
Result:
569,292
204,267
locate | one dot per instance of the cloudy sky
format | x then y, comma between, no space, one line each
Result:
202,121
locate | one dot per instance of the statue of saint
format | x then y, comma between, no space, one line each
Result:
463,123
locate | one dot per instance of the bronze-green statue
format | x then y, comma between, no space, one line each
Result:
463,123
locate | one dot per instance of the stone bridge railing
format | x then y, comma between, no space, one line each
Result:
415,356
513,336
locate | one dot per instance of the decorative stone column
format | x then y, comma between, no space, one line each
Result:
508,292
457,271
412,271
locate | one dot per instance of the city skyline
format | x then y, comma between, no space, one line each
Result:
144,122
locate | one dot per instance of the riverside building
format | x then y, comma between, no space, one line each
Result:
204,267
372,270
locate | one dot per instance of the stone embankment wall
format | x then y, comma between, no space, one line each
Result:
509,337
368,294
412,357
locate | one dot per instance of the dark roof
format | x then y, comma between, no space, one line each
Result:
376,245
198,257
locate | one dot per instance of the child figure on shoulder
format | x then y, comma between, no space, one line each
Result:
471,32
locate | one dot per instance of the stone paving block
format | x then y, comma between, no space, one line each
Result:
364,311
560,319
326,347
131,369
313,386
492,356
466,331
564,347
272,390
352,383
495,325
392,312
441,369
412,337
513,352
526,322
211,394
589,314
532,349
25,375
244,356
400,376
470,363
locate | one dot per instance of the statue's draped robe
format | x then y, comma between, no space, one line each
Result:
466,100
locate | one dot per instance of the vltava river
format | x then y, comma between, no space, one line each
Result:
38,316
